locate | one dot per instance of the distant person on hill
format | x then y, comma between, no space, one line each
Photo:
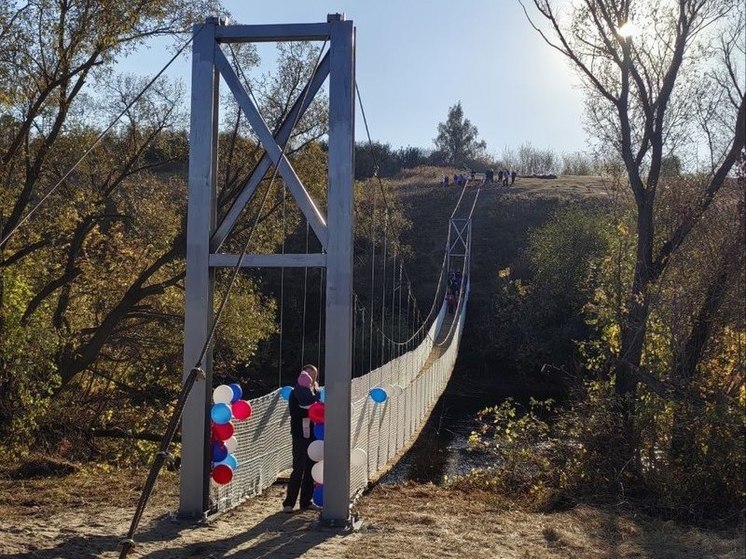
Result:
455,180
505,177
499,177
445,180
305,393
512,177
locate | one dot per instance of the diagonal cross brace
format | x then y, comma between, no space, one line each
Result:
302,198
459,234
260,170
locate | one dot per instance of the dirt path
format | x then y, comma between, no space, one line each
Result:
405,522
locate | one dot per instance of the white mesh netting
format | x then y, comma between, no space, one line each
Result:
381,430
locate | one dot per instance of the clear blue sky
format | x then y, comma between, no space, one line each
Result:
416,58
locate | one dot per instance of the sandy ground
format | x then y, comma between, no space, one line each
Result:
407,521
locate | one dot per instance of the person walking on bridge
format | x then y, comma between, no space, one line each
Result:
305,393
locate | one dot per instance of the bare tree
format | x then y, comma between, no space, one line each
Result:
649,67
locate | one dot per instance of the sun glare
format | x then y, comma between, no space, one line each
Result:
628,30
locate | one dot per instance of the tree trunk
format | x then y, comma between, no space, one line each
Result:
633,329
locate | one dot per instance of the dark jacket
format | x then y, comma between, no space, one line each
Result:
300,400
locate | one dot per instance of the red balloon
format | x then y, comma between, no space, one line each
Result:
316,412
222,432
241,409
222,474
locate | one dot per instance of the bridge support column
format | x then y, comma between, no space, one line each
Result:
195,460
338,369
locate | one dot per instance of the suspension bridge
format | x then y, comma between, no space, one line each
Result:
415,361
419,367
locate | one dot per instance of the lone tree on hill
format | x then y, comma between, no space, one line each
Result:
457,138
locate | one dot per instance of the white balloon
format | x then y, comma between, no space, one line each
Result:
316,451
223,394
317,472
358,457
397,389
232,445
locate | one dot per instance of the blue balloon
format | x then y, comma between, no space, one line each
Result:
378,395
318,431
285,392
318,496
237,392
219,452
230,461
322,394
221,413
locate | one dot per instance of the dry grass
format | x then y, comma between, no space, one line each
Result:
426,521
89,487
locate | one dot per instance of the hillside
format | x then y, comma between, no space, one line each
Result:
502,221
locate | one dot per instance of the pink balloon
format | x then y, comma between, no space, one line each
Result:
241,409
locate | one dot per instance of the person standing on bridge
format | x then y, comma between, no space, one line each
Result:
305,393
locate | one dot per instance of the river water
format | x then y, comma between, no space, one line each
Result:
442,447
441,450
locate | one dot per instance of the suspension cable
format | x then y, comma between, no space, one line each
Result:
305,299
372,277
322,275
434,305
282,282
383,287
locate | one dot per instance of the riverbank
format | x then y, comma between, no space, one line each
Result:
84,515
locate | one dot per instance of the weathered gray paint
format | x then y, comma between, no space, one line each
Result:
273,33
337,237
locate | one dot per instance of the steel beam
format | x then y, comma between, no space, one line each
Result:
268,260
338,367
336,238
199,280
273,33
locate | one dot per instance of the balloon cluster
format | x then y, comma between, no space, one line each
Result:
316,452
227,405
358,457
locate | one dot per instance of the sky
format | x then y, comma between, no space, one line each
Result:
415,59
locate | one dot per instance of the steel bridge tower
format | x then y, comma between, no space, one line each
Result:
205,236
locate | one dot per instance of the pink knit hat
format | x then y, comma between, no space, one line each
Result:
305,380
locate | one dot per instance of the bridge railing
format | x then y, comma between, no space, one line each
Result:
381,430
